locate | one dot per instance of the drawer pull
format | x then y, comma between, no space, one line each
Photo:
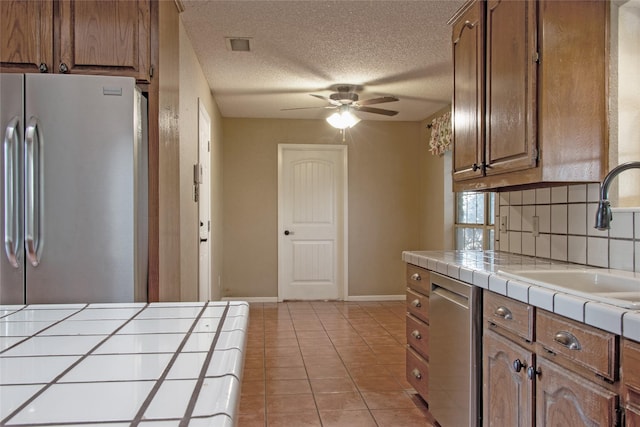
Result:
567,339
416,374
503,312
416,334
416,277
416,303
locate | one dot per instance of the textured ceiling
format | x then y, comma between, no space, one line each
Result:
395,47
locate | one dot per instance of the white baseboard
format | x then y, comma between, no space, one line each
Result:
251,299
376,298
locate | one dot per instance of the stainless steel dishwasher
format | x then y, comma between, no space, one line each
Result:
455,351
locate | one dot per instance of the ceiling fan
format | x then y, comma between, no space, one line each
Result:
347,99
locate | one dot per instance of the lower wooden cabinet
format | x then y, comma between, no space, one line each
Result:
417,324
418,373
565,399
631,382
548,381
508,392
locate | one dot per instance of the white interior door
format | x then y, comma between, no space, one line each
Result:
204,203
312,212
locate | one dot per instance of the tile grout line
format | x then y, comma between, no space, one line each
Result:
205,365
69,368
158,383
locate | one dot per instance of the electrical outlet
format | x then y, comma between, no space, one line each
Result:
535,223
503,223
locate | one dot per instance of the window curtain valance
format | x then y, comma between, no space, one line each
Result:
440,141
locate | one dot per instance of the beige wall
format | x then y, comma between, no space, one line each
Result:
182,83
194,87
437,195
385,159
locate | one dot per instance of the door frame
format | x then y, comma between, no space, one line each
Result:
343,216
204,289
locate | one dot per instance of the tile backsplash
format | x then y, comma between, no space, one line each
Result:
565,217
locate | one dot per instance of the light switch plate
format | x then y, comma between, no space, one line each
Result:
535,224
503,223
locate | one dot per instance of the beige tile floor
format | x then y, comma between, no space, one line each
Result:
328,364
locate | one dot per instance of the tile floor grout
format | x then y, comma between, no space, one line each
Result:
328,364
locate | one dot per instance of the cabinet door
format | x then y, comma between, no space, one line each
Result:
631,417
105,37
468,100
573,82
507,393
565,399
26,35
510,141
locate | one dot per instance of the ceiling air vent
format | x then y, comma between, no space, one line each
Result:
238,44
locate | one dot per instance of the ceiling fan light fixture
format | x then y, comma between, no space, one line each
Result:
343,119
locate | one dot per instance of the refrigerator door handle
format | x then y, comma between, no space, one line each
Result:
33,191
11,183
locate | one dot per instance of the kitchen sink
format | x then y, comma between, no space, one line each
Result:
593,284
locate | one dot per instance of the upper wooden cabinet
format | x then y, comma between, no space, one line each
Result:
26,36
530,98
107,37
468,91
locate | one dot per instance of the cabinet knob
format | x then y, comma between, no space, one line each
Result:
416,374
287,232
416,277
518,365
533,372
63,68
43,67
416,334
416,303
475,167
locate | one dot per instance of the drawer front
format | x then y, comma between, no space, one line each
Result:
418,279
418,336
630,371
418,305
514,316
418,373
590,347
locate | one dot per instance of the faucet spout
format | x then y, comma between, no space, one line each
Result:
603,214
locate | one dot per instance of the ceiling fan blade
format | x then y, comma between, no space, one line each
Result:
378,100
376,110
331,101
320,96
306,108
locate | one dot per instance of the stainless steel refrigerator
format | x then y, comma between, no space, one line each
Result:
74,189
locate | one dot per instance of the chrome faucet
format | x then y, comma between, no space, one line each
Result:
603,214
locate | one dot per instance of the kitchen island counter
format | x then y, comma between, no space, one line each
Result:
164,364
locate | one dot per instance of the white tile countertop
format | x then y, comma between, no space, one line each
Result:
481,268
160,364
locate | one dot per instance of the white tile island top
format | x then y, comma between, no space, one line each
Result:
164,364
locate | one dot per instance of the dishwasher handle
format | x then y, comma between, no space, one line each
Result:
454,297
